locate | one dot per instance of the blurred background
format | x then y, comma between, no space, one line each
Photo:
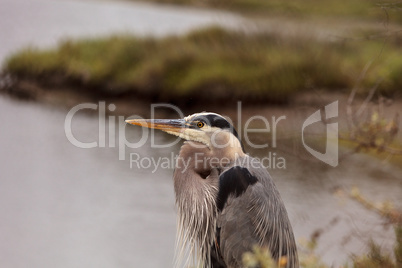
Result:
64,206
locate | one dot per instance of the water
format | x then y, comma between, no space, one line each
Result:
69,207
43,23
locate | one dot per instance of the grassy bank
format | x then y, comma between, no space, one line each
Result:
210,65
354,9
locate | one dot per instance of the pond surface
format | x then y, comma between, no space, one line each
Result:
63,206
43,23
70,207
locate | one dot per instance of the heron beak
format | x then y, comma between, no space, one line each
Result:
172,126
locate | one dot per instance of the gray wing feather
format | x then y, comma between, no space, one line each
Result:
237,234
256,217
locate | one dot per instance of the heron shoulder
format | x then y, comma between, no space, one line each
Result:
247,172
233,182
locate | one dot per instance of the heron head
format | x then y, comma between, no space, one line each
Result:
210,129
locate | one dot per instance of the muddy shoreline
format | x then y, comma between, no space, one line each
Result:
67,95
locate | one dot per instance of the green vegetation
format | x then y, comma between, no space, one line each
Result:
353,9
211,62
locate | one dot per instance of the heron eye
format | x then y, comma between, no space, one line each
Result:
200,124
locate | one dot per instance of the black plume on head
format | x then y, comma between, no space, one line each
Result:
216,120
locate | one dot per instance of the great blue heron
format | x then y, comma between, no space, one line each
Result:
226,200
